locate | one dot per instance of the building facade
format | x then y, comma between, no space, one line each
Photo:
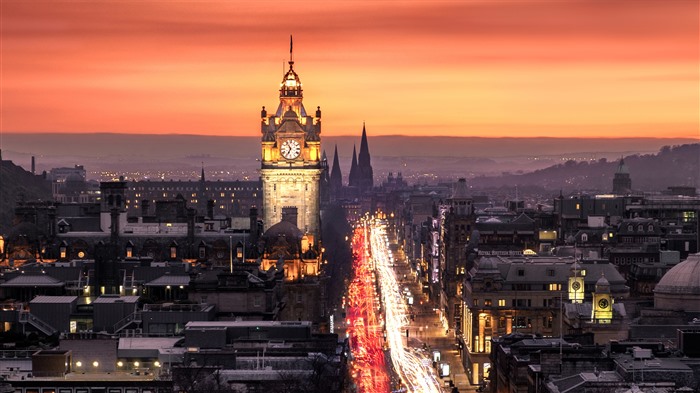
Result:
291,158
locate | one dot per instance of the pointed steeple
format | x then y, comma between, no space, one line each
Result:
201,178
364,165
324,159
352,178
363,159
336,175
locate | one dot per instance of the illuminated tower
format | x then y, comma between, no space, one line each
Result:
602,302
291,158
576,285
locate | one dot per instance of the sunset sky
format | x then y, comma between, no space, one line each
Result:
516,68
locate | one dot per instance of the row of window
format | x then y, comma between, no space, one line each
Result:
631,260
640,228
89,390
549,302
193,188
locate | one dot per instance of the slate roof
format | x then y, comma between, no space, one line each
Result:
54,299
169,279
32,280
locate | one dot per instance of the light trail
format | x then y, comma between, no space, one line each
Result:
364,324
416,375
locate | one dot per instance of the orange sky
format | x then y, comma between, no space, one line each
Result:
608,68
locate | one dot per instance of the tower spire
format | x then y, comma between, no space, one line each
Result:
202,176
364,164
352,177
291,50
336,175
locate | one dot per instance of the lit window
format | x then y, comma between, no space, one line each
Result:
501,302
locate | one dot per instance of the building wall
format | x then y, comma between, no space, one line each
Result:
295,187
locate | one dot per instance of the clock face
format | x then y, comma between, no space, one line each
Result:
576,286
290,149
603,303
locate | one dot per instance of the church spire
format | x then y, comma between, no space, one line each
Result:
352,178
363,159
201,178
336,175
364,165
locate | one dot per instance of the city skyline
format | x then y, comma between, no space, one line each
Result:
488,69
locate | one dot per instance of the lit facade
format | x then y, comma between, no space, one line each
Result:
527,295
291,159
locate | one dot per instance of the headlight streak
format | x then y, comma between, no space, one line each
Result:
415,375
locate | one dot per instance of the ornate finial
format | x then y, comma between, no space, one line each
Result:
291,51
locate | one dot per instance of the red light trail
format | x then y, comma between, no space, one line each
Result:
365,323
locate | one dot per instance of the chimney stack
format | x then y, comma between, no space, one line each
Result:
210,208
289,214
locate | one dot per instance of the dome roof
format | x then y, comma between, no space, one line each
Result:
460,189
602,285
291,85
683,278
285,228
487,265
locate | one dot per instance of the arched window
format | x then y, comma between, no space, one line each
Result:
584,237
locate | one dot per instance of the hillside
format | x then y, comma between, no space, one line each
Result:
671,166
15,184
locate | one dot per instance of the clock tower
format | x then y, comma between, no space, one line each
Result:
602,302
291,159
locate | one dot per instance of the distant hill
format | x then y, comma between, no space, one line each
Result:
17,184
671,166
420,159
